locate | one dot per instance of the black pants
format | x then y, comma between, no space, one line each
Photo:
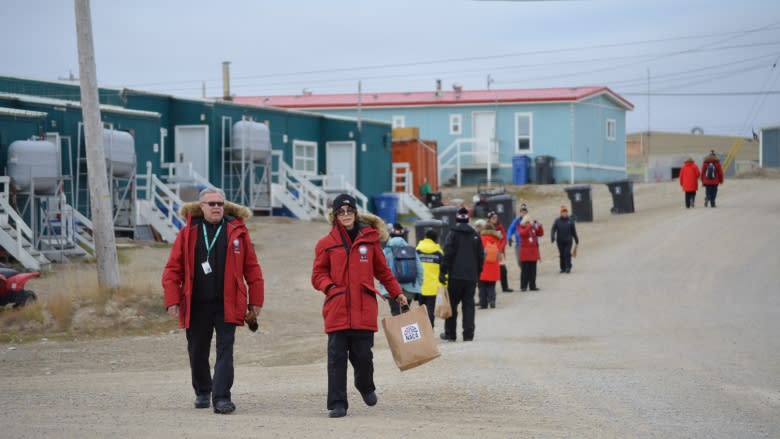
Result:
504,280
527,275
205,319
487,294
710,192
461,291
430,304
355,345
564,254
690,197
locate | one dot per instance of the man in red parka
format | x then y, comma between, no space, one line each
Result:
212,282
689,181
346,261
711,177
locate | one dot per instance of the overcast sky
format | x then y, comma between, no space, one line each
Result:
710,62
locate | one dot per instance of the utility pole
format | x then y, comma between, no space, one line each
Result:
647,149
102,218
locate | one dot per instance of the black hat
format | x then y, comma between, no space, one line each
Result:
432,235
462,216
397,230
344,200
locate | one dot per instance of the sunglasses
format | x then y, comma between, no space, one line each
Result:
213,203
342,212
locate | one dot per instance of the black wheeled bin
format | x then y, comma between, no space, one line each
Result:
433,199
422,226
622,196
504,206
581,202
543,165
446,214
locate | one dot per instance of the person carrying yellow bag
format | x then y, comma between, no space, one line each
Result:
430,254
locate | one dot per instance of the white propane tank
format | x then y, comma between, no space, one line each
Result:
252,140
34,159
120,153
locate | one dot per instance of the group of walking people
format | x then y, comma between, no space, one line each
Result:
710,174
213,283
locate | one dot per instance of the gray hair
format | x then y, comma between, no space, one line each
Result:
211,190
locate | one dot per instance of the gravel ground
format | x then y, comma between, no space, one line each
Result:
668,326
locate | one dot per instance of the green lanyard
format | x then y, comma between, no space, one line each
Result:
213,241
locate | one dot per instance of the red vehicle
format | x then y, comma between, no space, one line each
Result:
12,290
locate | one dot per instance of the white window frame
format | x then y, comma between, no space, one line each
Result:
611,134
456,120
306,144
530,117
399,121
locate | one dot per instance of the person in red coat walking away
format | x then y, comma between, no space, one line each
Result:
496,222
530,232
346,261
689,181
711,178
491,272
212,282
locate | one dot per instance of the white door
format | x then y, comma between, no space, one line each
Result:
340,161
485,132
192,146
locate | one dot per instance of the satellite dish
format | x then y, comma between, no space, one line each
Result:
697,131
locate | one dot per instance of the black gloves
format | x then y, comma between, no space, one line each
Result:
442,278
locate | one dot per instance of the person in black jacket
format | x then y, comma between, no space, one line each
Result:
564,230
461,265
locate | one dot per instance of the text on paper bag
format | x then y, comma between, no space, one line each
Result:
411,332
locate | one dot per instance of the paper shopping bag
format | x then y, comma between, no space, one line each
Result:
574,252
410,337
443,308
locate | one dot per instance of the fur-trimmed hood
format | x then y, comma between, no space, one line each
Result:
231,209
369,219
491,232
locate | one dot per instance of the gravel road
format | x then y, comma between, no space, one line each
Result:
668,326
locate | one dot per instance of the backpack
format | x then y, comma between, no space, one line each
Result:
710,172
404,264
491,253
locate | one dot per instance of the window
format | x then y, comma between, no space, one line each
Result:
524,132
611,129
399,121
305,157
456,124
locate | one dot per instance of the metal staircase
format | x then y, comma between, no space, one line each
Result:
158,206
16,237
467,153
402,186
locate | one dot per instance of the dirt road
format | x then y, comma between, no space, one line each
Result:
668,326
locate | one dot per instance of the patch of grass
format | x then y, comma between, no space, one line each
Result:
61,309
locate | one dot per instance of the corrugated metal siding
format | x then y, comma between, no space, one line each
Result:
770,148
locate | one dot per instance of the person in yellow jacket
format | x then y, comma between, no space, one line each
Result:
430,254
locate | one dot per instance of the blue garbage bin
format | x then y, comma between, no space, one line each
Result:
386,206
520,165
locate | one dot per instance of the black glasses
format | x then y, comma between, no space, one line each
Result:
342,212
213,203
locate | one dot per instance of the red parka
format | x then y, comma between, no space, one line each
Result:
529,241
490,270
718,171
689,176
244,283
346,275
502,242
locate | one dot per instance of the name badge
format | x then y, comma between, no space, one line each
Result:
206,267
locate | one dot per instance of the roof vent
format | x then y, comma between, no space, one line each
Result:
458,89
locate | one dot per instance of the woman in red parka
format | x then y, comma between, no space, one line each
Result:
346,261
530,232
491,271
689,181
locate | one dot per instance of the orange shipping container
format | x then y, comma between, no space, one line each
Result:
422,157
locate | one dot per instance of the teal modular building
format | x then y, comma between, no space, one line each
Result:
169,132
